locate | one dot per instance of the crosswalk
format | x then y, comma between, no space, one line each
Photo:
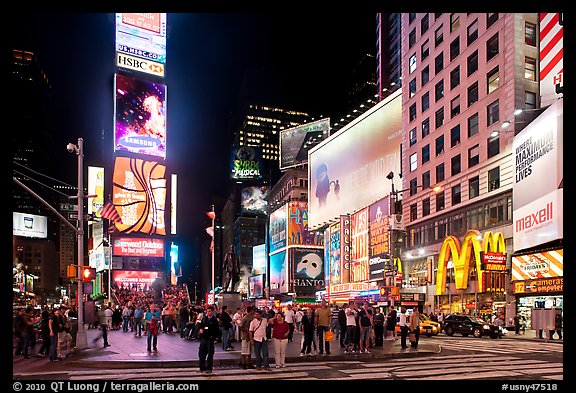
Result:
440,367
498,346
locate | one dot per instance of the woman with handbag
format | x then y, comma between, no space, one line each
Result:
414,325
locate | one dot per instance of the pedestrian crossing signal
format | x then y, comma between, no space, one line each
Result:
88,273
71,271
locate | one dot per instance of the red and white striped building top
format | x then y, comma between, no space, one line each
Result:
551,56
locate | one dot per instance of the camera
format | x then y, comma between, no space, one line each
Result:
71,148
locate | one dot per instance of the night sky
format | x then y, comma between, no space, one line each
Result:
207,55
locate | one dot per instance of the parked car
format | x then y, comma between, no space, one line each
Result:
427,326
466,325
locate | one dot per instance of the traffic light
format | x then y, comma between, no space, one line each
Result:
72,271
88,273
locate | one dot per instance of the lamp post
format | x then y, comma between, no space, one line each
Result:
213,216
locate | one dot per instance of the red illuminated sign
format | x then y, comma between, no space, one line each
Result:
136,247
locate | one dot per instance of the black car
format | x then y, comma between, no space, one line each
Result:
466,325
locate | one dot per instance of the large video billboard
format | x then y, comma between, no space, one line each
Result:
307,271
298,233
140,116
277,230
359,253
379,251
252,200
348,170
297,141
139,195
335,262
278,273
142,35
138,247
29,225
246,163
256,285
142,280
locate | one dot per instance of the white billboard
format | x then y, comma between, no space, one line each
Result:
538,181
29,225
348,170
259,259
295,142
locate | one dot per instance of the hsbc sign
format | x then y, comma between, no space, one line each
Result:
140,65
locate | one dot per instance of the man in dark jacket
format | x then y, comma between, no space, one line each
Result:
208,333
342,323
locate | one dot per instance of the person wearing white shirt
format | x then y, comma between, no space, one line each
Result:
236,319
350,342
108,313
289,316
403,323
258,340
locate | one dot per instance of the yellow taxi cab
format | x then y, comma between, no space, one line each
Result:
427,326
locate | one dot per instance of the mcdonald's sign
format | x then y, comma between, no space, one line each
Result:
462,255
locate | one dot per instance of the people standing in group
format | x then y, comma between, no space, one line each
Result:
322,322
365,321
378,325
404,327
246,351
351,314
414,325
280,331
153,319
391,321
225,328
289,317
307,333
257,332
208,332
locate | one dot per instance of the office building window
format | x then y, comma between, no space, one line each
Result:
439,63
454,48
439,90
473,187
411,17
473,93
412,111
473,156
530,68
425,75
494,179
454,22
424,24
529,100
455,106
438,36
413,162
412,63
440,201
455,166
439,145
530,34
454,77
472,63
412,87
413,186
439,117
455,136
425,127
413,212
425,154
426,180
492,47
426,207
413,136
472,32
493,113
493,146
425,102
491,18
440,173
412,38
456,194
493,78
473,125
425,49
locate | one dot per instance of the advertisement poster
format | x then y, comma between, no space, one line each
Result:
278,273
326,254
335,262
379,250
298,233
140,116
307,271
277,231
139,195
138,247
345,245
29,225
295,142
246,163
252,200
142,35
359,255
256,286
546,264
95,187
140,280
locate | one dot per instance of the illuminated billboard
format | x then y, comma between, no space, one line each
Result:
538,197
359,251
259,259
348,170
256,286
142,35
95,187
278,273
175,266
307,271
277,230
29,225
97,255
298,233
138,247
335,262
252,200
141,65
140,116
246,163
551,56
173,203
295,142
142,280
545,264
139,195
379,250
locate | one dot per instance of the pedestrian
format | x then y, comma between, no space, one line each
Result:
268,314
54,325
334,325
226,328
350,343
64,337
391,323
298,320
414,326
280,331
138,315
322,322
557,326
153,318
19,325
184,317
236,319
403,322
246,350
28,332
103,323
289,317
125,317
307,333
365,321
208,332
109,313
342,324
517,323
258,340
45,333
378,324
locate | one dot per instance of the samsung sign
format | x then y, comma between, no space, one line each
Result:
141,65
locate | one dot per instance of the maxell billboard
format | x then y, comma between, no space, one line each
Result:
538,182
295,142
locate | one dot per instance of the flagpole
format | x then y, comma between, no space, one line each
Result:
213,246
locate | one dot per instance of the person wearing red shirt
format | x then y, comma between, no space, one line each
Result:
280,332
